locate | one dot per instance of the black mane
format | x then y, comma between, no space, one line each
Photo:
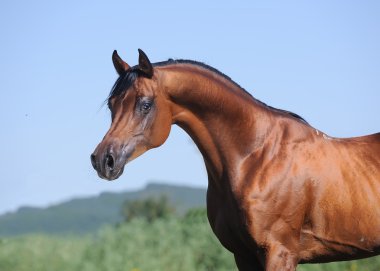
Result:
128,78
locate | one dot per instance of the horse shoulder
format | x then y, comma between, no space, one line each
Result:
275,194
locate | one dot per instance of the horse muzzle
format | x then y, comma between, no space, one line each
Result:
110,163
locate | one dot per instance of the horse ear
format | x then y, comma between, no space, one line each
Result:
144,64
119,64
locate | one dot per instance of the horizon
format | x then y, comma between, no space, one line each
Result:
84,197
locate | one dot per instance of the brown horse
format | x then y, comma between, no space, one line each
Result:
280,192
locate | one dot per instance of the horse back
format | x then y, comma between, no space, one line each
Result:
373,138
364,150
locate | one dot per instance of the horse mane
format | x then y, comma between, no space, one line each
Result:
127,79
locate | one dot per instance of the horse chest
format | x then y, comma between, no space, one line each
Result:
226,222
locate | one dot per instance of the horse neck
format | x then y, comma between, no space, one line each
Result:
224,121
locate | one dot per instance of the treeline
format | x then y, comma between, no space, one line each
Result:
151,238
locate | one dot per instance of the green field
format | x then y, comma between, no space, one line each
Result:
175,243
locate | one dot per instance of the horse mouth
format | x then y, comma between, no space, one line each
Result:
111,175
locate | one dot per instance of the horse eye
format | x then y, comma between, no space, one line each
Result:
146,106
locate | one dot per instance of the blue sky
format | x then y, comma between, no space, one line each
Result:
320,59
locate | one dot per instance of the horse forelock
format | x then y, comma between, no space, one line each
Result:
123,83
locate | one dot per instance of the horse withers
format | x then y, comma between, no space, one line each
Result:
280,192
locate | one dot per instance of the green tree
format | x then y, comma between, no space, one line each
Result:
149,209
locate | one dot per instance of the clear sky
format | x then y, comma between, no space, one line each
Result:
320,59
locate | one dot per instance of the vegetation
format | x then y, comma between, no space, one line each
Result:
169,244
151,238
161,244
149,209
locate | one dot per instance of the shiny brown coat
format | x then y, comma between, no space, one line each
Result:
280,192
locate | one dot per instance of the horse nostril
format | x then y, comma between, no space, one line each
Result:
110,162
93,161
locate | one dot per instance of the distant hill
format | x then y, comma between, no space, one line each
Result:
85,215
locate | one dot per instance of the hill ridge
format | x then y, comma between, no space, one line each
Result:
87,214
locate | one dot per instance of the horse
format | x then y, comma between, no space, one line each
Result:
280,192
